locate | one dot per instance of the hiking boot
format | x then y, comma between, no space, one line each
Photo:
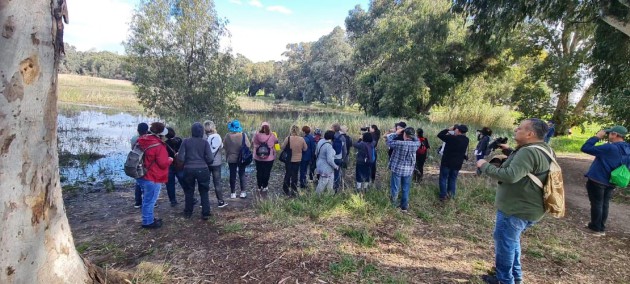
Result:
221,204
233,196
173,204
205,217
186,215
243,194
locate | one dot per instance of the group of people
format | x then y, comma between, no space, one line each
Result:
323,157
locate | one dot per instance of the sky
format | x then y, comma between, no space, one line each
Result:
260,29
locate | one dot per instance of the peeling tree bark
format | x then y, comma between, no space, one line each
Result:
36,245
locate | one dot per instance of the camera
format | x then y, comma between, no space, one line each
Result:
495,144
365,129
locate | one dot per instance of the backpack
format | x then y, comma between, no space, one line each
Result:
553,189
245,156
263,149
286,154
423,148
134,165
337,145
620,176
370,156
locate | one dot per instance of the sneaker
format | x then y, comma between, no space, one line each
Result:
173,204
205,217
243,194
405,211
187,215
598,234
222,204
156,205
137,206
156,224
265,189
233,196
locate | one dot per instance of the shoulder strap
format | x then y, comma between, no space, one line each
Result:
150,146
534,178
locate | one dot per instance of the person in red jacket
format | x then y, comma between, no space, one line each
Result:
157,162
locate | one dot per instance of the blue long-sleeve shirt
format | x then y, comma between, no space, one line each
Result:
607,158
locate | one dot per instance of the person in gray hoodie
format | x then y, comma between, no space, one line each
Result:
197,156
326,165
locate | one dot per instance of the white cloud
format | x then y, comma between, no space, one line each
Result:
260,44
279,9
102,25
256,3
237,2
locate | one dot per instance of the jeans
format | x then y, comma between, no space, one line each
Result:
448,182
290,178
599,195
338,176
263,172
150,194
241,176
170,184
138,194
507,247
215,171
395,183
304,165
200,176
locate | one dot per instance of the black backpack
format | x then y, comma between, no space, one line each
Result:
245,156
134,165
285,156
263,149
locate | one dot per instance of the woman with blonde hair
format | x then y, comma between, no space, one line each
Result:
264,155
216,144
296,144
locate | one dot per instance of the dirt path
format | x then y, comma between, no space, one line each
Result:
573,169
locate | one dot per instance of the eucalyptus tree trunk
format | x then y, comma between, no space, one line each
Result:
36,244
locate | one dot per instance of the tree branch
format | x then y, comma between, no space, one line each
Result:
621,26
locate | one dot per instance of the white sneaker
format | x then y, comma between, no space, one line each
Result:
265,189
243,194
233,195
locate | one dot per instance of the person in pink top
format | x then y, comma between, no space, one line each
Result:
264,155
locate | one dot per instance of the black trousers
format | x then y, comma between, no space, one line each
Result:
263,172
599,195
291,178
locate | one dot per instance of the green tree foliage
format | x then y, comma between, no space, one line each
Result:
173,51
102,64
409,55
563,29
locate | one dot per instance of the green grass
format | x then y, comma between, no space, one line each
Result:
573,143
97,91
361,236
232,228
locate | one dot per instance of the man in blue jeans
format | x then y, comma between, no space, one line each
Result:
608,157
455,148
519,200
402,163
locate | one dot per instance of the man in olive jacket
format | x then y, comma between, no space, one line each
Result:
519,200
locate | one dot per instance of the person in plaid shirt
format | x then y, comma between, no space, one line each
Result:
402,163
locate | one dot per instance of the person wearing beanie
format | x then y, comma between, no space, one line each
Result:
157,162
455,148
264,155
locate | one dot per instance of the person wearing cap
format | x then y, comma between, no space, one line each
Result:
264,163
232,143
608,157
402,164
142,129
156,161
455,149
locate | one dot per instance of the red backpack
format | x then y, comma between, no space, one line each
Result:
423,147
